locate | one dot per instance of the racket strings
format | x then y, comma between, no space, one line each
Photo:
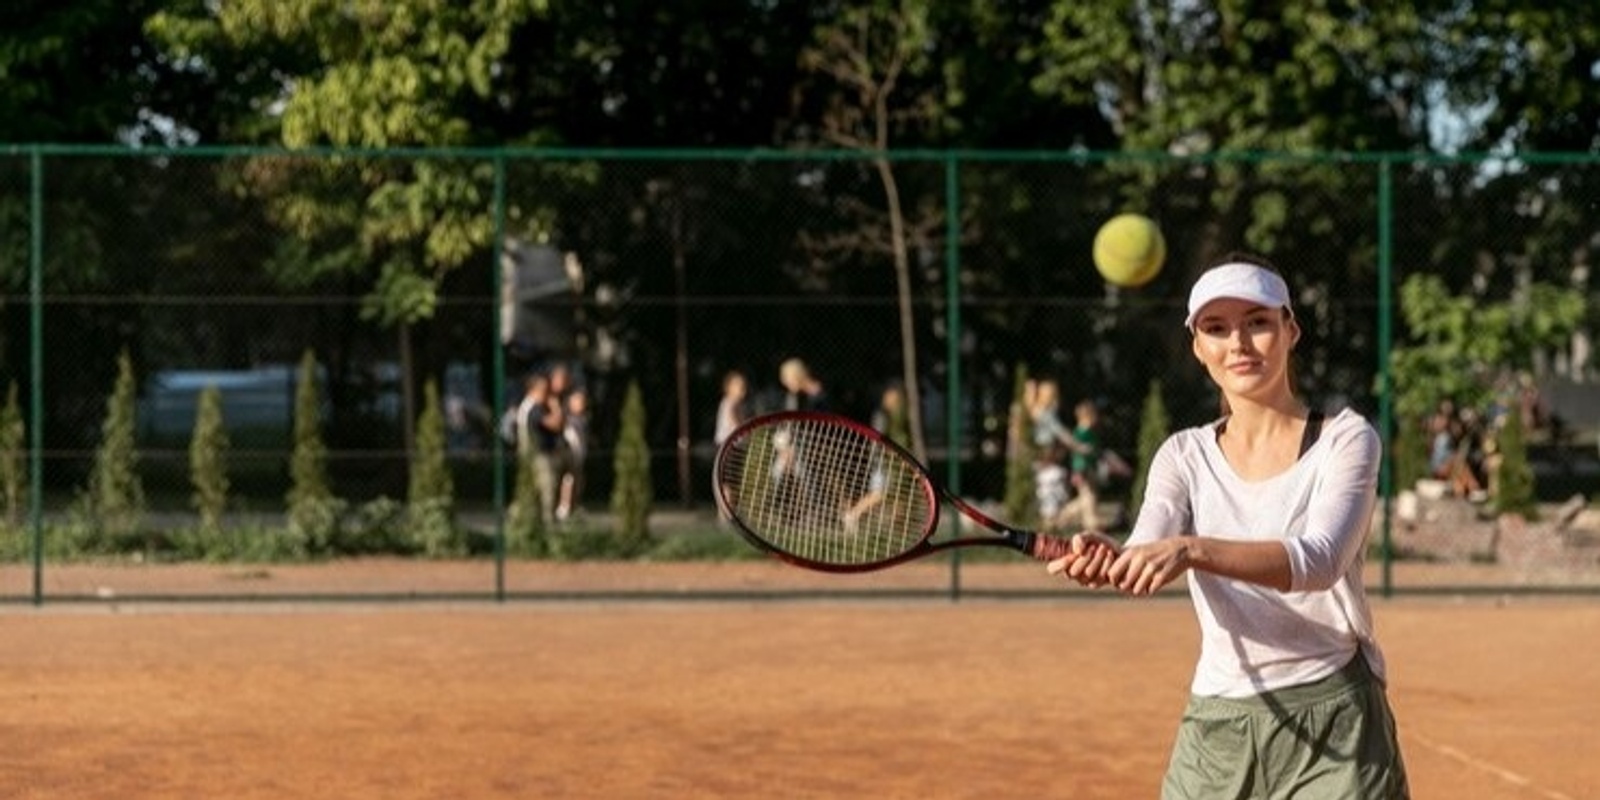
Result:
826,493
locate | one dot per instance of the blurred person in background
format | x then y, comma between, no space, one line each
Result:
573,453
801,390
1083,445
733,409
538,426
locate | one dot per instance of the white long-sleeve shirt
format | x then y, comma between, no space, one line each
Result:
1254,638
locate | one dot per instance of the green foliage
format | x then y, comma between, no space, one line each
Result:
78,72
374,75
13,466
713,546
405,73
375,527
1516,63
401,297
1460,344
430,509
1020,500
1155,425
208,460
1514,482
525,530
234,545
113,505
631,494
313,511
1193,73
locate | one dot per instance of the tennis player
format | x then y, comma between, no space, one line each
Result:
1267,511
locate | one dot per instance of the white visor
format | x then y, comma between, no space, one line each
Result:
1239,281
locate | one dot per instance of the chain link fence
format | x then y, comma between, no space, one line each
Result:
470,270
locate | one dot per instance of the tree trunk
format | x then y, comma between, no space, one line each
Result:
681,366
908,330
408,380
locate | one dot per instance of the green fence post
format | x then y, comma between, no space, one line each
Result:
36,366
1385,388
952,289
496,280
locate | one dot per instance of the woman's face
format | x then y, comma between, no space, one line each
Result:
1245,347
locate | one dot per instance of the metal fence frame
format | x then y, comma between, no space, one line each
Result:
951,162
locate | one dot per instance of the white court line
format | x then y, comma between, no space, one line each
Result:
1500,772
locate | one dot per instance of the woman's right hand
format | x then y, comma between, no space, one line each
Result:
1089,561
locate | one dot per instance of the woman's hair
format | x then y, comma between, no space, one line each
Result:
1245,257
1255,260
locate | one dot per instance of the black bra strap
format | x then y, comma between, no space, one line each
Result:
1313,430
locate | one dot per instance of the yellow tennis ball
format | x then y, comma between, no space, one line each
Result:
1129,250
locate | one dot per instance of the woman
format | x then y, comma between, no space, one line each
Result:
1084,444
731,412
1050,441
1267,511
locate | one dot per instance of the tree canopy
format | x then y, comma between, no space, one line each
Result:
1190,91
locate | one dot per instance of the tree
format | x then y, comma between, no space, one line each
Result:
631,493
1527,71
868,51
313,509
208,460
81,72
114,502
431,498
1460,344
379,75
1154,428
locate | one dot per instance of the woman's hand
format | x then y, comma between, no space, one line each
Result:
1091,556
1145,568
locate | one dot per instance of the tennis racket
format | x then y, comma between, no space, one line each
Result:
827,493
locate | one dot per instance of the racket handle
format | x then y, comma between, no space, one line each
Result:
1049,548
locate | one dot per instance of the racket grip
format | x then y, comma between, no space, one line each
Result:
1049,548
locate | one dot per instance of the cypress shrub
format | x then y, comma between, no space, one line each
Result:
1154,427
113,506
208,461
313,511
13,460
430,501
631,494
524,529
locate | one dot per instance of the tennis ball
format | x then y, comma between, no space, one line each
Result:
1129,249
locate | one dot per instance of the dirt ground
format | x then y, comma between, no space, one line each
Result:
1073,698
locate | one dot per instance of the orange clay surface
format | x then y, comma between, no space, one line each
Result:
1074,697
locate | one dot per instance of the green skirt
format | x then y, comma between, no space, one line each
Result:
1334,738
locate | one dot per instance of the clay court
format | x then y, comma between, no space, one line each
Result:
1074,697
